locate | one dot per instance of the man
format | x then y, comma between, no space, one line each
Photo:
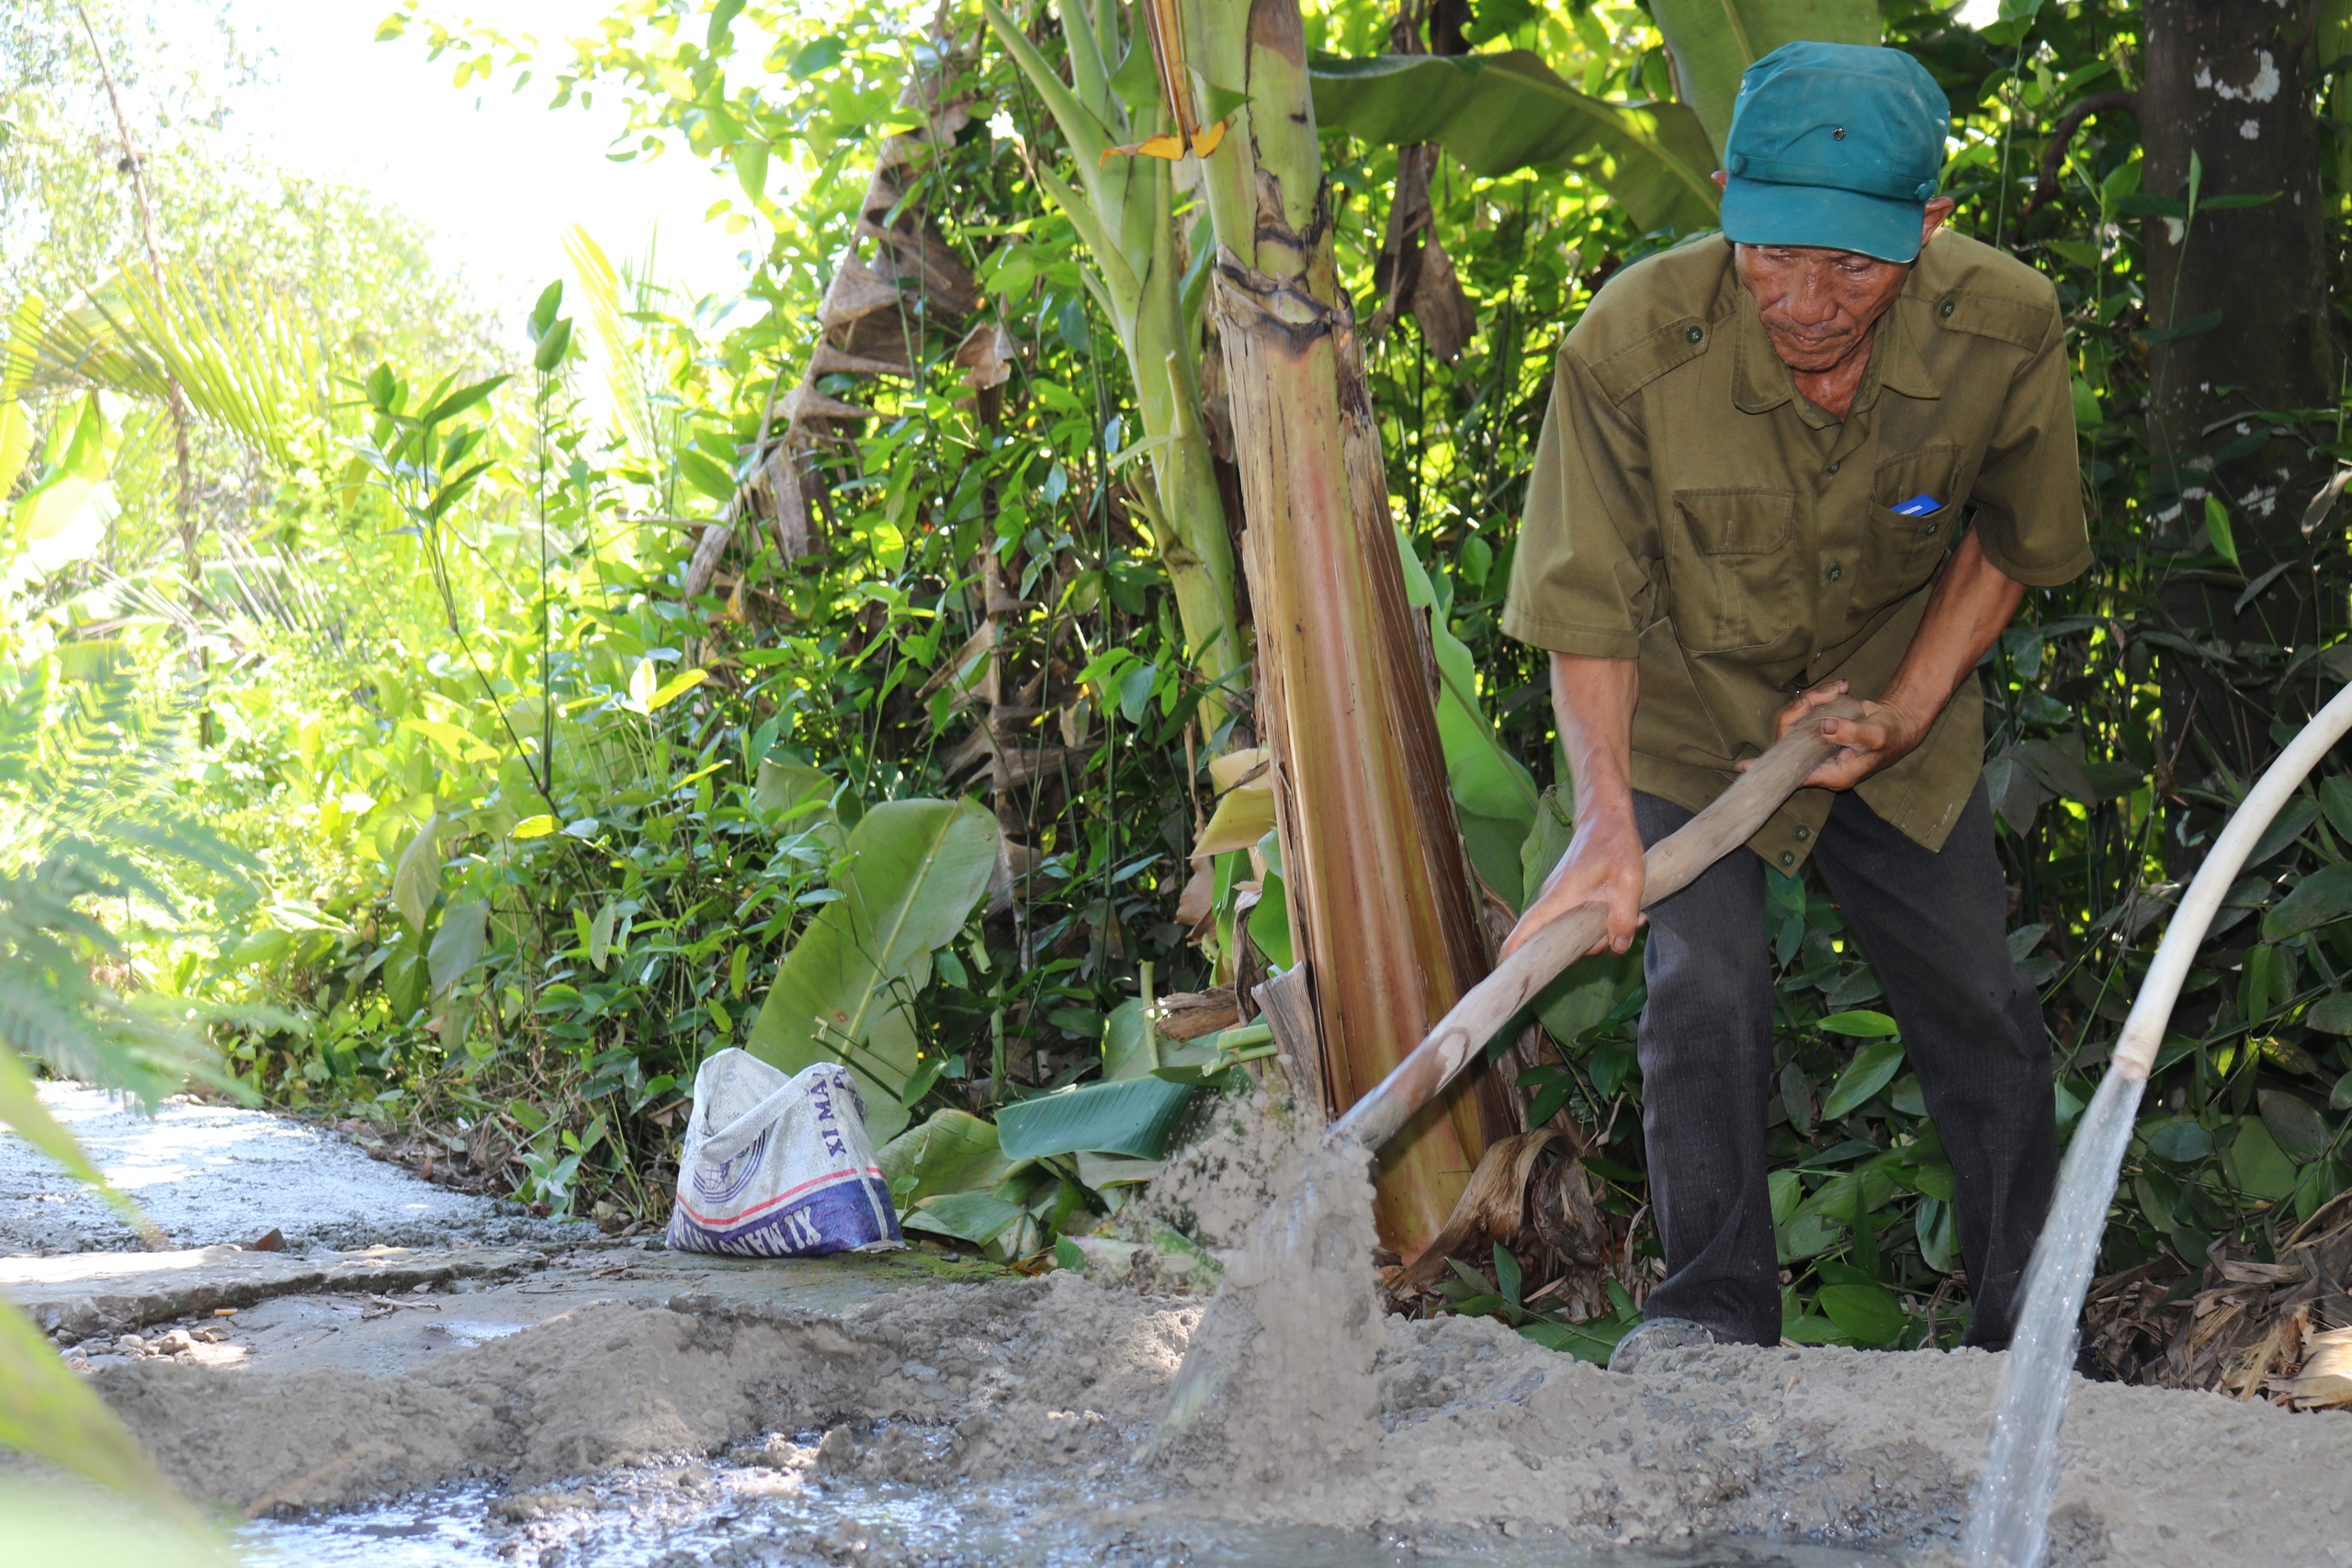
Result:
1822,454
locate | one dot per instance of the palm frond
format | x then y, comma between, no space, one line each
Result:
626,381
102,812
242,357
46,1410
21,1108
86,814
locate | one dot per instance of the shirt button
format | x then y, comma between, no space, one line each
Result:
1834,466
1788,857
1694,334
1804,833
1835,572
1945,309
1931,529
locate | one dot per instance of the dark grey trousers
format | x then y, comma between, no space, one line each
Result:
1932,924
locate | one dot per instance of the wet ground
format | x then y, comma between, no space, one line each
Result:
459,1384
739,1517
723,1514
223,1176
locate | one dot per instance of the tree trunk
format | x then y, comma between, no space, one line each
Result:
1379,889
184,497
2232,84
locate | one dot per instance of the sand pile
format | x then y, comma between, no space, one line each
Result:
1323,1414
954,1386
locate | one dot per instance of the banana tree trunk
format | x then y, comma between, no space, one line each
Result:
1380,892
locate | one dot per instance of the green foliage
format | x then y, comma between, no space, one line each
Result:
1502,113
1714,42
1474,1293
906,883
978,1218
1134,1117
535,833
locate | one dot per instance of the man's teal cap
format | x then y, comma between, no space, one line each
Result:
1834,144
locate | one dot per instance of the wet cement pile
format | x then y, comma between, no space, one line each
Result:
1279,1379
955,1389
1008,1421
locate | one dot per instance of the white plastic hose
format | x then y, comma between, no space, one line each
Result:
2144,1030
2009,1523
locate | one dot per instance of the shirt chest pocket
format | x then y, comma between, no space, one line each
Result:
1732,564
1914,516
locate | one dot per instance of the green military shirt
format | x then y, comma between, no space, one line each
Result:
1690,509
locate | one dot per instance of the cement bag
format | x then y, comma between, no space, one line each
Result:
779,1166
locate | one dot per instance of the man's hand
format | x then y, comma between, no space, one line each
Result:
1604,865
1883,735
1972,601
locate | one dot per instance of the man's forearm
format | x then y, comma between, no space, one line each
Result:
1592,700
1970,604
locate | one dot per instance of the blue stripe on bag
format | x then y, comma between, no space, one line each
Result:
839,1215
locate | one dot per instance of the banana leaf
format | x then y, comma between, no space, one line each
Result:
1122,1041
908,878
1502,112
977,1217
1269,921
242,357
1714,41
1494,794
803,799
1245,816
1547,840
953,1152
1099,1171
1134,1117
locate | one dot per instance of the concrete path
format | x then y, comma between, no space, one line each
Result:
389,1310
220,1176
80,1296
380,1270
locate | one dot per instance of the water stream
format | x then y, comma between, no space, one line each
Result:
2009,1527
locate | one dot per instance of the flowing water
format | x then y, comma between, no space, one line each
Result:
2009,1526
668,1517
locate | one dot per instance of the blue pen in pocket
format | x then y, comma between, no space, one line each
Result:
1918,506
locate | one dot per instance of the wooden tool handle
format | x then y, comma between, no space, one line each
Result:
1672,863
